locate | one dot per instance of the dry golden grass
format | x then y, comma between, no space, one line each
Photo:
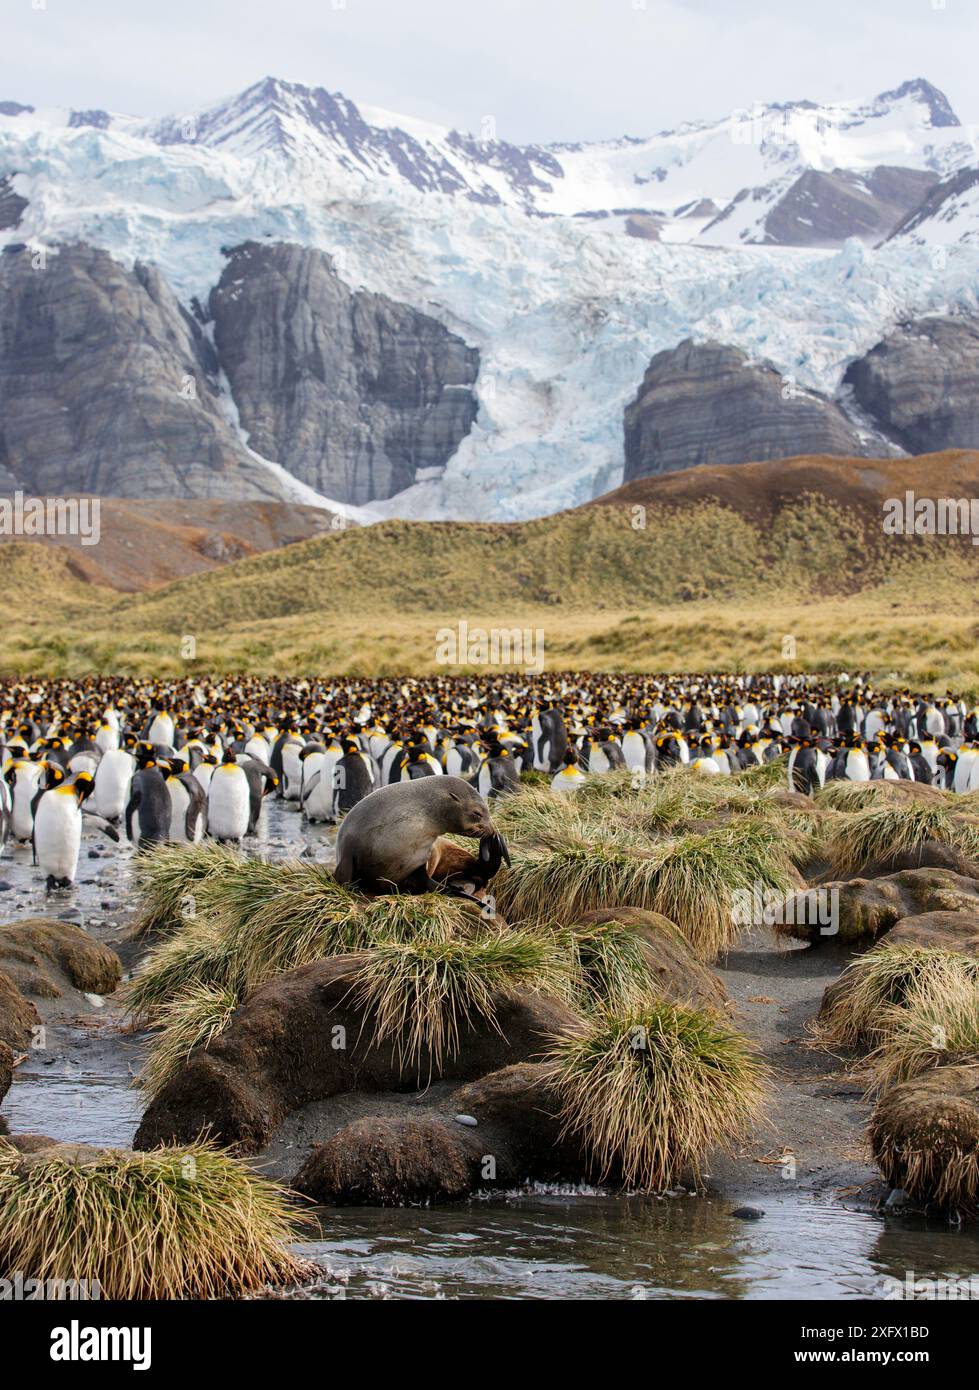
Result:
186,1222
426,993
703,587
691,878
882,831
652,1092
936,1023
873,986
191,1020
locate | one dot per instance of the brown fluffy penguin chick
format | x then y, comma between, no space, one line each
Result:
385,843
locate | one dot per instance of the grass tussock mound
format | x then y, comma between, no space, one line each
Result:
691,879
254,921
925,1137
860,1009
614,966
169,880
186,1222
425,993
652,1092
882,831
936,1024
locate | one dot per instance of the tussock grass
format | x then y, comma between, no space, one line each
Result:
186,1222
690,879
613,966
862,1010
169,879
199,954
925,1137
701,873
766,776
937,1023
843,795
191,1020
427,992
651,1093
536,814
264,919
898,828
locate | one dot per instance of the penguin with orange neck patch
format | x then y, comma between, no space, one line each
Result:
149,800
58,829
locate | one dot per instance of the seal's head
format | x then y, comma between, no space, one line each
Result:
466,811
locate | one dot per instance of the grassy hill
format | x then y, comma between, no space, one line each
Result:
712,567
146,543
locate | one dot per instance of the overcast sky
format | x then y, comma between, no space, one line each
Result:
545,69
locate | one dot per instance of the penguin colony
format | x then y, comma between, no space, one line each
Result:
175,761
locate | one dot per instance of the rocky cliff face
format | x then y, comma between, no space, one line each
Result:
108,386
706,403
946,211
353,393
824,209
11,205
921,383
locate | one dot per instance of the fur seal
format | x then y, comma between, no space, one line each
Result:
387,841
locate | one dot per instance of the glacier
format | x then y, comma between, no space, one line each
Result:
565,310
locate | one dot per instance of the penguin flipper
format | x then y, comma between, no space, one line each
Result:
101,824
493,852
130,808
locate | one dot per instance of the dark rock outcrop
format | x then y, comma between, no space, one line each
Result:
921,384
938,205
644,226
12,205
107,385
825,208
706,403
351,392
870,907
302,1038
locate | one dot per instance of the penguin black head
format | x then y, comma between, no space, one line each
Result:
84,785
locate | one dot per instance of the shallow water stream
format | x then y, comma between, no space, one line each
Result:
613,1247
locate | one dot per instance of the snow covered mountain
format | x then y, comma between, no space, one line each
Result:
797,233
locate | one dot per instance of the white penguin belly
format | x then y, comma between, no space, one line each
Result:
228,803
112,780
58,834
